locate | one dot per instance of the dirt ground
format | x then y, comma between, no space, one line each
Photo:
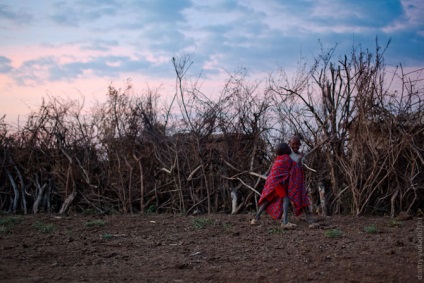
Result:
205,248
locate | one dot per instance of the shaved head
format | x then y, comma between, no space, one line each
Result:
295,144
295,138
282,148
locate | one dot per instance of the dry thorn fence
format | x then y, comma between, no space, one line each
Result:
365,137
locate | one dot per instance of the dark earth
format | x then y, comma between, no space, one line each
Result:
206,248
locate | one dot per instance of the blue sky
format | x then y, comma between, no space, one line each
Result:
78,47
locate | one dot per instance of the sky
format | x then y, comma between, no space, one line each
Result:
77,48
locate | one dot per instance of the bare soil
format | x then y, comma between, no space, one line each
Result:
205,248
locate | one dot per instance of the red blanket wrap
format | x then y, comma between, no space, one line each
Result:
286,178
296,189
276,185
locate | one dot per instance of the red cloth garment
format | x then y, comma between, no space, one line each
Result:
281,191
276,184
296,189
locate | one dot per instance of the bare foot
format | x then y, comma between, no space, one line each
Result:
314,226
254,222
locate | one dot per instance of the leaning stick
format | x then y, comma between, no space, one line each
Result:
312,150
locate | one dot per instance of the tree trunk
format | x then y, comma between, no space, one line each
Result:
323,200
67,202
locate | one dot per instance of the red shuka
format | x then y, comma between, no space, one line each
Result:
276,185
285,179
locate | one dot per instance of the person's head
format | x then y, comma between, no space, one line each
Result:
295,144
282,148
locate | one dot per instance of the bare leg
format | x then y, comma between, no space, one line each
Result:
285,222
286,203
261,209
308,216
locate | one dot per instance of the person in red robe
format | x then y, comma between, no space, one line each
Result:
296,189
274,197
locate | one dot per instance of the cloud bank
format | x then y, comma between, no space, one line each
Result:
53,41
